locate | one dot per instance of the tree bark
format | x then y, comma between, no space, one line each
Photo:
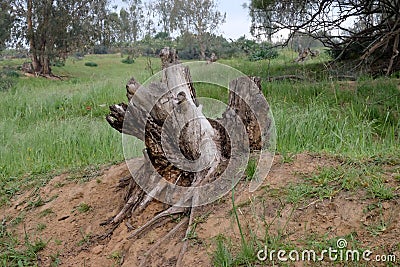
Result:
41,62
183,147
31,36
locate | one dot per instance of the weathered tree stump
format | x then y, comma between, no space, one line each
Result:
185,150
213,58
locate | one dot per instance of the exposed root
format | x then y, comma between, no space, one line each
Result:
108,233
134,200
166,237
186,239
171,211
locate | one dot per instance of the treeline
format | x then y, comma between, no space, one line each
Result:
53,30
188,48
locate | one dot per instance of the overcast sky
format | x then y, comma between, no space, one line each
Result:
237,18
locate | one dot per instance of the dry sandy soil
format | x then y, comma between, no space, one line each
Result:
70,231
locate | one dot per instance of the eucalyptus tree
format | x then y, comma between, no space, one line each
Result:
199,17
54,28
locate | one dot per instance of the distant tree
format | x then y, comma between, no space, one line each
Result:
162,36
6,21
125,35
163,9
99,20
148,22
112,29
53,28
200,17
133,20
372,40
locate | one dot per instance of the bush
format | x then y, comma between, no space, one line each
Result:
263,51
100,49
79,55
128,60
11,73
189,52
91,64
7,83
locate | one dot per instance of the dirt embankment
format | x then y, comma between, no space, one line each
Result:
73,210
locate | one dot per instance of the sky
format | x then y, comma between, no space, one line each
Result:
237,18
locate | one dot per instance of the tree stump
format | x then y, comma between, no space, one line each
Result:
187,156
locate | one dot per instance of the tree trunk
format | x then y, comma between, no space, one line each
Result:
189,160
31,37
203,48
39,50
45,63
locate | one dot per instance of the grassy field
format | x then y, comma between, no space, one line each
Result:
53,126
50,127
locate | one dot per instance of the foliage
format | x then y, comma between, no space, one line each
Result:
6,83
132,20
128,60
54,28
372,40
256,51
91,64
198,17
6,20
185,44
100,49
165,9
8,78
263,51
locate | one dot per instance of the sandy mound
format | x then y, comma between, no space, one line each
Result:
73,210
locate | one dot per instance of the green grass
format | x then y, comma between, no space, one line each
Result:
49,127
14,252
222,257
83,207
53,126
329,181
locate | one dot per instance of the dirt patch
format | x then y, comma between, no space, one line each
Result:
70,212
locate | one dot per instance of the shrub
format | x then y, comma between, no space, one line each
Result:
10,73
79,55
7,83
262,51
100,49
91,64
128,60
